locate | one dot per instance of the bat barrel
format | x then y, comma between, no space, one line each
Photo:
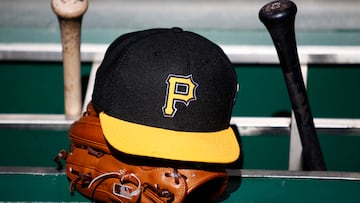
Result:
69,9
279,19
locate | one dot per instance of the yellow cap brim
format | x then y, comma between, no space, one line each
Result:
141,140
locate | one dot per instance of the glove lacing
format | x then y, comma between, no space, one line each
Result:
119,189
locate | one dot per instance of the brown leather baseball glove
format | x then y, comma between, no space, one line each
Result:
100,173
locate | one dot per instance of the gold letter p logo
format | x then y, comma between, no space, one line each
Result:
179,89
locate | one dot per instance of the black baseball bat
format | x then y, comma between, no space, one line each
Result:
279,19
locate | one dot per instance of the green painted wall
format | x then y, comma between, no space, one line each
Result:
333,92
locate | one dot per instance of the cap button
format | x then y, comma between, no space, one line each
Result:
177,29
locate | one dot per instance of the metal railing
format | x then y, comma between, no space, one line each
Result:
248,126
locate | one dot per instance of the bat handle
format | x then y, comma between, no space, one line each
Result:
279,19
69,13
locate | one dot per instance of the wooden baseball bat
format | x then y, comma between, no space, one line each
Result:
279,19
69,13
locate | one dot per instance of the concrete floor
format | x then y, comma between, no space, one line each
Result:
204,14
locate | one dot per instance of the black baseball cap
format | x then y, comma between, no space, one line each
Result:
168,94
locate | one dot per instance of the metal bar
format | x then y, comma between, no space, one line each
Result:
91,83
320,175
253,125
29,170
295,149
35,121
243,173
47,52
247,125
307,54
239,54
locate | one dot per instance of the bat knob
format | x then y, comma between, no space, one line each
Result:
280,11
69,9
